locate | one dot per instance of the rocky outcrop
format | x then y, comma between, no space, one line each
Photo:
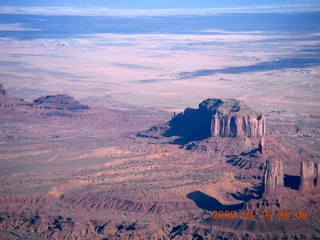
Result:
3,89
273,180
309,178
59,102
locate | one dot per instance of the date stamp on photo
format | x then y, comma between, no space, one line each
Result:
265,214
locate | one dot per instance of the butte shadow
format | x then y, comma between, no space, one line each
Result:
193,124
292,182
209,203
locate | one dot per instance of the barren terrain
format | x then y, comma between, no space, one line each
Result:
104,169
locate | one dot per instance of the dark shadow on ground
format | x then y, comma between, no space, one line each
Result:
298,62
249,194
206,202
292,182
189,129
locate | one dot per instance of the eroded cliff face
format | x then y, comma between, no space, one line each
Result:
219,118
216,120
309,178
232,118
273,177
238,125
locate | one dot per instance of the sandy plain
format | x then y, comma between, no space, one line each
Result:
90,176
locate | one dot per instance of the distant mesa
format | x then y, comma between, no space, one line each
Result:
54,102
214,118
59,102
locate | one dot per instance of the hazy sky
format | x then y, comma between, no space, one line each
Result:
152,4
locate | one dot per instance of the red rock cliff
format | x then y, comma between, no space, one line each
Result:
238,125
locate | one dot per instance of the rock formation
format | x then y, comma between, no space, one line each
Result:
273,177
233,125
217,118
228,125
317,188
233,118
309,178
55,102
59,102
261,145
273,185
3,89
8,101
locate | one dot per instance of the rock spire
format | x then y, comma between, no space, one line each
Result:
3,89
273,177
317,187
309,178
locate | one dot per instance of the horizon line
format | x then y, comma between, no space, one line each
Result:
72,11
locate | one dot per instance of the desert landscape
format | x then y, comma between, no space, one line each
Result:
143,131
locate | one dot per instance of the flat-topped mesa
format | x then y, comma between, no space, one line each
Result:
59,102
3,89
229,118
273,179
215,118
309,178
233,118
